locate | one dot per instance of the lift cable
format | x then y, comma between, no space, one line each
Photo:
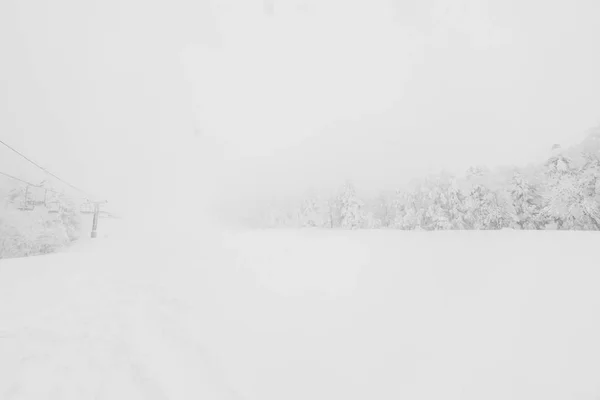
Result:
44,169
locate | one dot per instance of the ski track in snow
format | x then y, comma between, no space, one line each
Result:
307,315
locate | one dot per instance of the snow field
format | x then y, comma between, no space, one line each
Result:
300,314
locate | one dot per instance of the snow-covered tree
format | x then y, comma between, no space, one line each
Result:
456,205
434,204
588,193
37,232
485,209
399,206
350,208
477,172
438,217
370,221
565,190
437,203
309,213
329,210
414,217
560,197
384,210
406,210
526,203
558,165
497,210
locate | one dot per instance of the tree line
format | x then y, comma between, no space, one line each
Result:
562,193
36,231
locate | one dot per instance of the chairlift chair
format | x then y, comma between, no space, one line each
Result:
27,205
53,207
87,208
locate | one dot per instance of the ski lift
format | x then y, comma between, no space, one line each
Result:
87,208
26,205
53,207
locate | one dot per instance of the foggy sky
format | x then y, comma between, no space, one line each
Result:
108,94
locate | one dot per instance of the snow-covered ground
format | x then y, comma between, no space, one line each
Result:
308,314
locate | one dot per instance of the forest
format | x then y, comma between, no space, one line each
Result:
563,193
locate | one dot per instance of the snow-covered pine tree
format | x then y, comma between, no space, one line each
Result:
456,205
485,209
420,219
350,208
435,205
427,194
496,213
413,214
330,213
424,196
526,203
399,205
438,218
416,209
588,183
560,195
384,210
475,200
408,218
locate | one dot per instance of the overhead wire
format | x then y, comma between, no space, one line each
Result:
41,185
37,186
44,169
17,179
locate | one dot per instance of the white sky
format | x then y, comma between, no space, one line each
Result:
375,91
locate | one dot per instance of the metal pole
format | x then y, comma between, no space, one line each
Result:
95,224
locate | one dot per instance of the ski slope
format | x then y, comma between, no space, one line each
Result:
307,314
